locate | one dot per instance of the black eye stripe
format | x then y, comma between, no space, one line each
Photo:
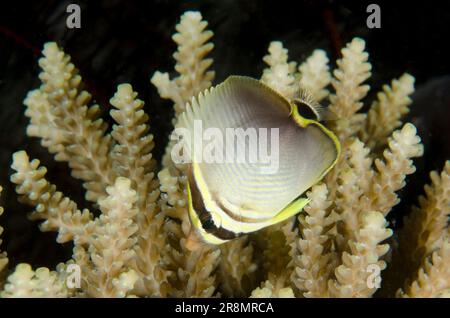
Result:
306,110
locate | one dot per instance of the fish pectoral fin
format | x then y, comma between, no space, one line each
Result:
292,209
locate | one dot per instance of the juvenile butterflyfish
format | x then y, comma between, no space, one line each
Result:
250,154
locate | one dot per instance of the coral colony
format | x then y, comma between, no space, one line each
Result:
138,245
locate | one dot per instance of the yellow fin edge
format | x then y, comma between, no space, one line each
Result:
292,209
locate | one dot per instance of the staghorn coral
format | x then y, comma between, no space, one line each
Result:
130,157
280,73
313,251
137,244
133,159
314,75
433,276
192,67
236,268
26,283
106,272
273,288
425,227
60,213
192,269
390,106
59,115
425,248
3,255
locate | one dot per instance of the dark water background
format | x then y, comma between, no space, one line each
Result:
126,41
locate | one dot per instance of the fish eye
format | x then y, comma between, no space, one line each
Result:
305,110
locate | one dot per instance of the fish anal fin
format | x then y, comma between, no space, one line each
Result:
292,209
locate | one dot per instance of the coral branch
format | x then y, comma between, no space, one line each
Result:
353,275
26,283
236,268
59,115
354,180
353,70
273,288
425,228
3,255
133,159
403,145
112,245
275,250
315,75
314,258
433,278
132,152
385,113
424,240
193,270
59,212
192,67
280,73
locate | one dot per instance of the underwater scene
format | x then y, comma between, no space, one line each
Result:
224,149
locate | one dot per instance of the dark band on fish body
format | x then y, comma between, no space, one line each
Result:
205,216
